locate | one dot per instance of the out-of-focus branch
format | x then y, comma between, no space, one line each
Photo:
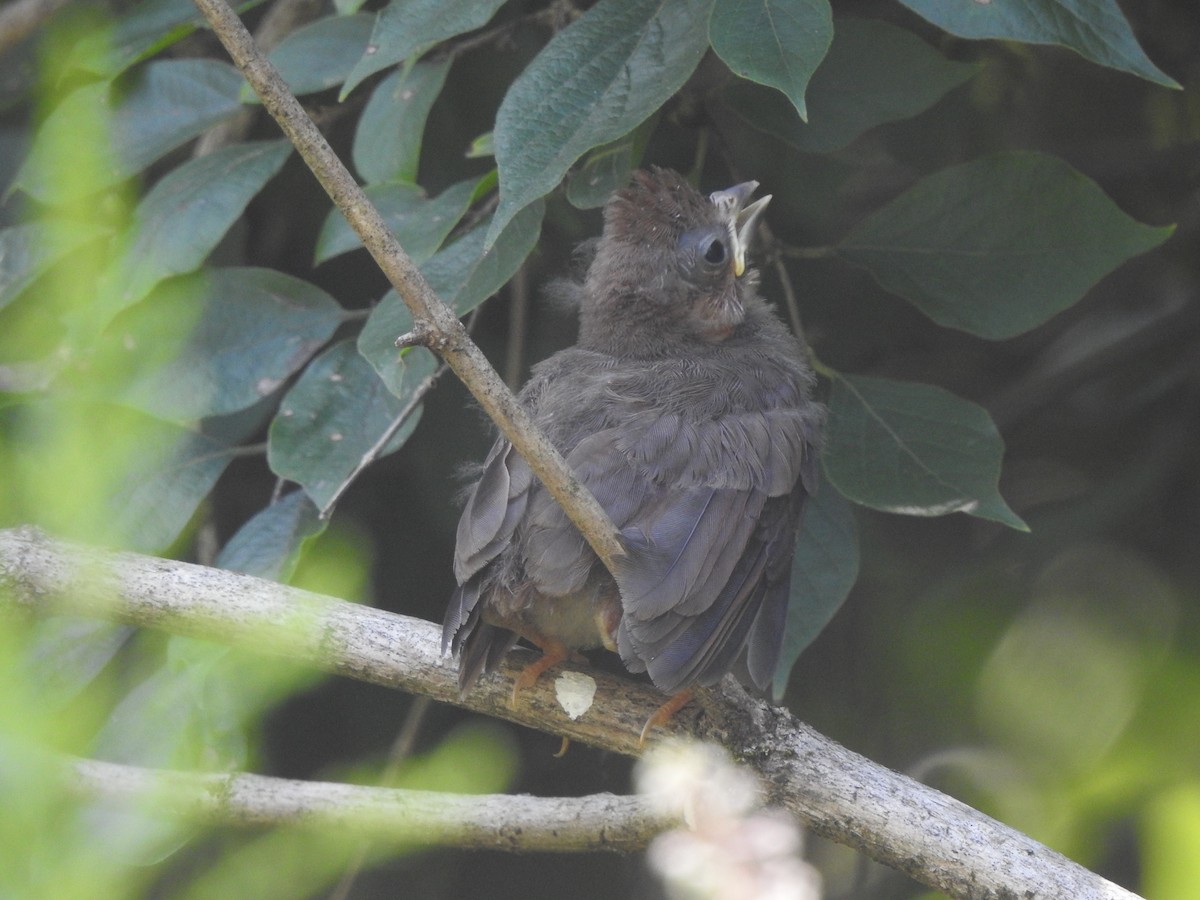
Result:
434,324
19,18
841,795
600,822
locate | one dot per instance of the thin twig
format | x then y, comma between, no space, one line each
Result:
518,325
373,452
440,328
401,750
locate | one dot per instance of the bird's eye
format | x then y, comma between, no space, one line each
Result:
716,254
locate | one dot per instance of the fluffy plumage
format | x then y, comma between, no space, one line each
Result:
686,408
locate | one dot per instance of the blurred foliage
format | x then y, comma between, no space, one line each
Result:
984,215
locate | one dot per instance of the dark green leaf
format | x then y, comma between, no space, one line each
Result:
269,545
320,55
167,103
387,141
778,43
29,251
607,168
466,273
595,81
1095,29
914,449
187,213
824,570
405,26
419,224
874,73
176,471
999,245
335,413
219,341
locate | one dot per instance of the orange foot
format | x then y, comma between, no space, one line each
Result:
552,654
663,714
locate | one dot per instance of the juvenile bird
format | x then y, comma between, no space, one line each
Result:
686,408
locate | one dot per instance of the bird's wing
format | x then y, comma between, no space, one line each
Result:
707,511
493,510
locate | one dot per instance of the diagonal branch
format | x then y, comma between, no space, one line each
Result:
434,322
839,794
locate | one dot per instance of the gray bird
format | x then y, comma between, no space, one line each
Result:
686,408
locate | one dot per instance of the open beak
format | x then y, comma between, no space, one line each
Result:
740,219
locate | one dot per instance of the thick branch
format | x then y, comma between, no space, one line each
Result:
521,824
445,333
842,796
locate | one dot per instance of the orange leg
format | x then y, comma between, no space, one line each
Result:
663,714
553,653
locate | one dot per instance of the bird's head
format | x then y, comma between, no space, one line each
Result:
671,263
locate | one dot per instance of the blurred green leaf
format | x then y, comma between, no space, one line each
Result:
387,141
1095,29
778,43
29,251
608,168
330,418
406,26
874,73
149,28
1169,837
252,329
824,570
165,104
269,545
596,80
319,55
419,223
174,470
185,215
913,449
999,245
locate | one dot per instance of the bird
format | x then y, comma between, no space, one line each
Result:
686,407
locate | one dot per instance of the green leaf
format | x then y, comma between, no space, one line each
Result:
387,141
999,245
608,168
463,275
178,470
218,341
320,55
596,80
29,251
166,104
778,43
874,73
1095,29
269,545
187,213
330,418
419,223
914,449
824,570
406,26
467,272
